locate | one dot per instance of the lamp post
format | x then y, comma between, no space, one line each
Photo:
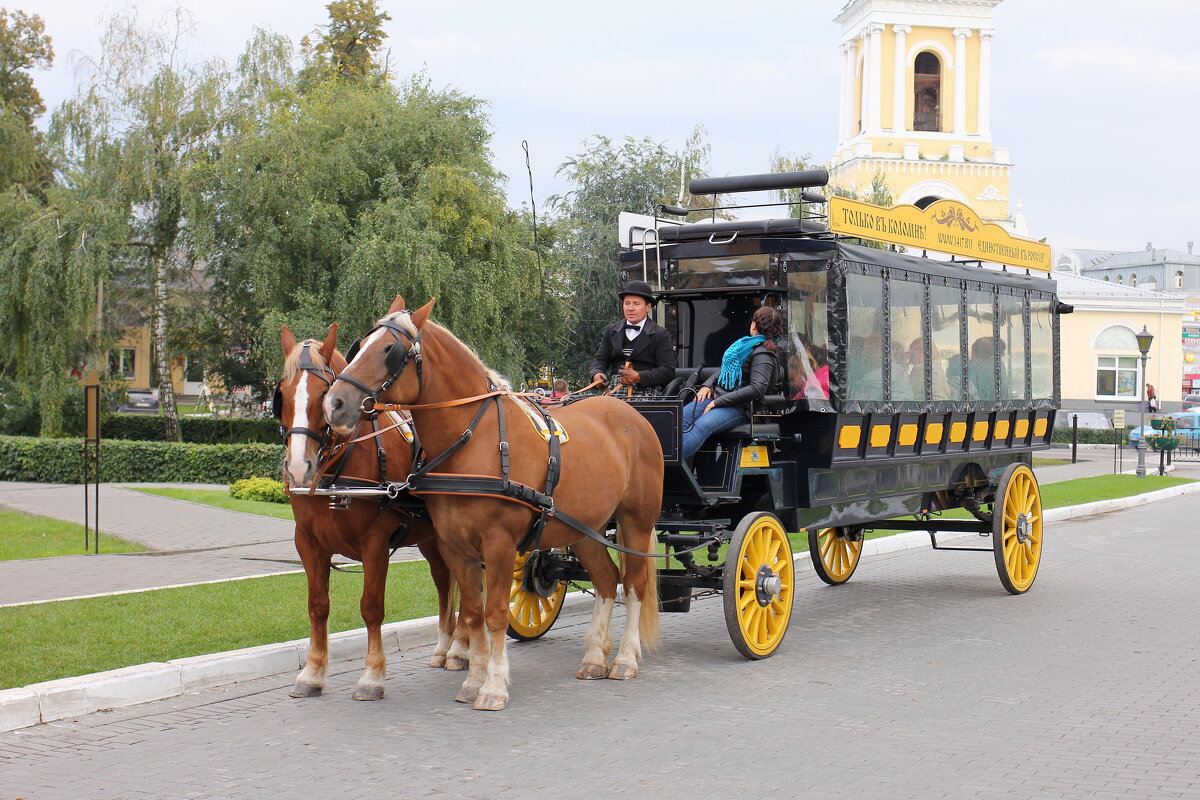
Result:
1143,342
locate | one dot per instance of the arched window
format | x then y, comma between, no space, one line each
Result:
926,201
1116,337
1120,279
1179,279
927,92
1133,279
1106,278
1117,374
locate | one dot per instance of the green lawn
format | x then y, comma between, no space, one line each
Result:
30,536
77,637
222,499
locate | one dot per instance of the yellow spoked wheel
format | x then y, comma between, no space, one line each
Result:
758,583
1017,528
834,555
530,614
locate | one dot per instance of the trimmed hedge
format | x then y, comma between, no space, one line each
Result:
264,489
1091,435
196,430
41,460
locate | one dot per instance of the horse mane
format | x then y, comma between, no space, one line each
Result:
291,364
404,320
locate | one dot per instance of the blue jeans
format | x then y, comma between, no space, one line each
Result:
697,427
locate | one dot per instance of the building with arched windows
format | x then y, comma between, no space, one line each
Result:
916,105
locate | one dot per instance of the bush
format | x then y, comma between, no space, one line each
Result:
40,460
1091,435
197,430
264,489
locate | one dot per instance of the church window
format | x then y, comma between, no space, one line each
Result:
926,202
1106,278
1133,279
927,91
1120,279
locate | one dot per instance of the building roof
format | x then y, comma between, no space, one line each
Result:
1077,287
1141,258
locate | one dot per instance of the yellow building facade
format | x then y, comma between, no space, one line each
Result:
916,105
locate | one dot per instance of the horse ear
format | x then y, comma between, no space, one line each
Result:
397,305
327,347
422,314
287,340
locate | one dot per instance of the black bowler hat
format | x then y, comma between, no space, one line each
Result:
637,289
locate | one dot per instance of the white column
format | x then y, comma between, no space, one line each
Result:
985,83
960,80
898,82
875,74
852,81
845,95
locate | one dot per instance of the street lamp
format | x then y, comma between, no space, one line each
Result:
1143,341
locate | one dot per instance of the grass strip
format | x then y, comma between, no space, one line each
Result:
77,637
220,498
30,536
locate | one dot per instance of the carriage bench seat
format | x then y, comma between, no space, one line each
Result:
759,430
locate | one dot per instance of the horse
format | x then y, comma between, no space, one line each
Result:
363,529
611,465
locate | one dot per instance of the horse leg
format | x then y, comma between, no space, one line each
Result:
452,644
375,567
311,680
468,574
597,641
641,600
501,561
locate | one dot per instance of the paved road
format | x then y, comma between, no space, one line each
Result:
920,678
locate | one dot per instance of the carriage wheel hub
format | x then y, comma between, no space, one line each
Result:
1023,527
767,585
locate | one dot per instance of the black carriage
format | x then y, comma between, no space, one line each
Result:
914,386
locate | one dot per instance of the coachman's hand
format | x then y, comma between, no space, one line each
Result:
629,377
600,378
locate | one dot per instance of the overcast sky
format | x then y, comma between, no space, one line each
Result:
1098,100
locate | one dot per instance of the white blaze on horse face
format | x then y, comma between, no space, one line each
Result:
297,444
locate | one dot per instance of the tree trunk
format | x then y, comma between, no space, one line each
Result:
162,358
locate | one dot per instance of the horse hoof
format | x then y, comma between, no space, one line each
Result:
305,690
455,664
368,692
590,672
467,694
437,662
623,672
490,702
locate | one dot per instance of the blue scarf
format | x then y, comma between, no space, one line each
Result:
735,356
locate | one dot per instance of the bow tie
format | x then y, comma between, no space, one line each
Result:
629,326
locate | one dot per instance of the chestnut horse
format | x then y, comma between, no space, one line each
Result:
611,464
362,531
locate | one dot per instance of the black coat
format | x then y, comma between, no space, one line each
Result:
759,371
653,353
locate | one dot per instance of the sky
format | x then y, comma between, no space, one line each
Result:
1099,100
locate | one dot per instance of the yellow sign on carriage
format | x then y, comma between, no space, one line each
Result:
946,226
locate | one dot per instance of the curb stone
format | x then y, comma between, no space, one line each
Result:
73,697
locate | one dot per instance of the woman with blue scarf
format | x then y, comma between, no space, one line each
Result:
748,371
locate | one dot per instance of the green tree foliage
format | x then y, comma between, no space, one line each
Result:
327,207
24,46
607,178
877,195
348,46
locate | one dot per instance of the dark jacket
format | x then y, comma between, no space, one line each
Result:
759,371
653,353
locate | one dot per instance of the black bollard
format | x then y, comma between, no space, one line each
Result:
1074,438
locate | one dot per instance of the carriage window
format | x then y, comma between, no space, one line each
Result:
808,334
981,353
1041,349
864,339
908,345
121,362
944,324
716,273
1012,347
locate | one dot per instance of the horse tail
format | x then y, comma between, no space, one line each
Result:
649,632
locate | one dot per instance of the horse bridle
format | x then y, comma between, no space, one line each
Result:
395,360
326,374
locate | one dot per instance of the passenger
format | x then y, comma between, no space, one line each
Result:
916,375
749,369
816,376
635,352
981,370
558,389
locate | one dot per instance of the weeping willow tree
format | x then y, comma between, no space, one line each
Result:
127,141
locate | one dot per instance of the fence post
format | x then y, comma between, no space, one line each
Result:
1074,438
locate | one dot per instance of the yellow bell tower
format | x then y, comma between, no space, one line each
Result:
916,105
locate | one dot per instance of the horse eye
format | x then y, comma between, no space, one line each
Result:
388,349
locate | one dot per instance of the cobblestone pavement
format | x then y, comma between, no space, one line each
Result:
921,678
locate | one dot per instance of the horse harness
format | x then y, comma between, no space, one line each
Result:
422,479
